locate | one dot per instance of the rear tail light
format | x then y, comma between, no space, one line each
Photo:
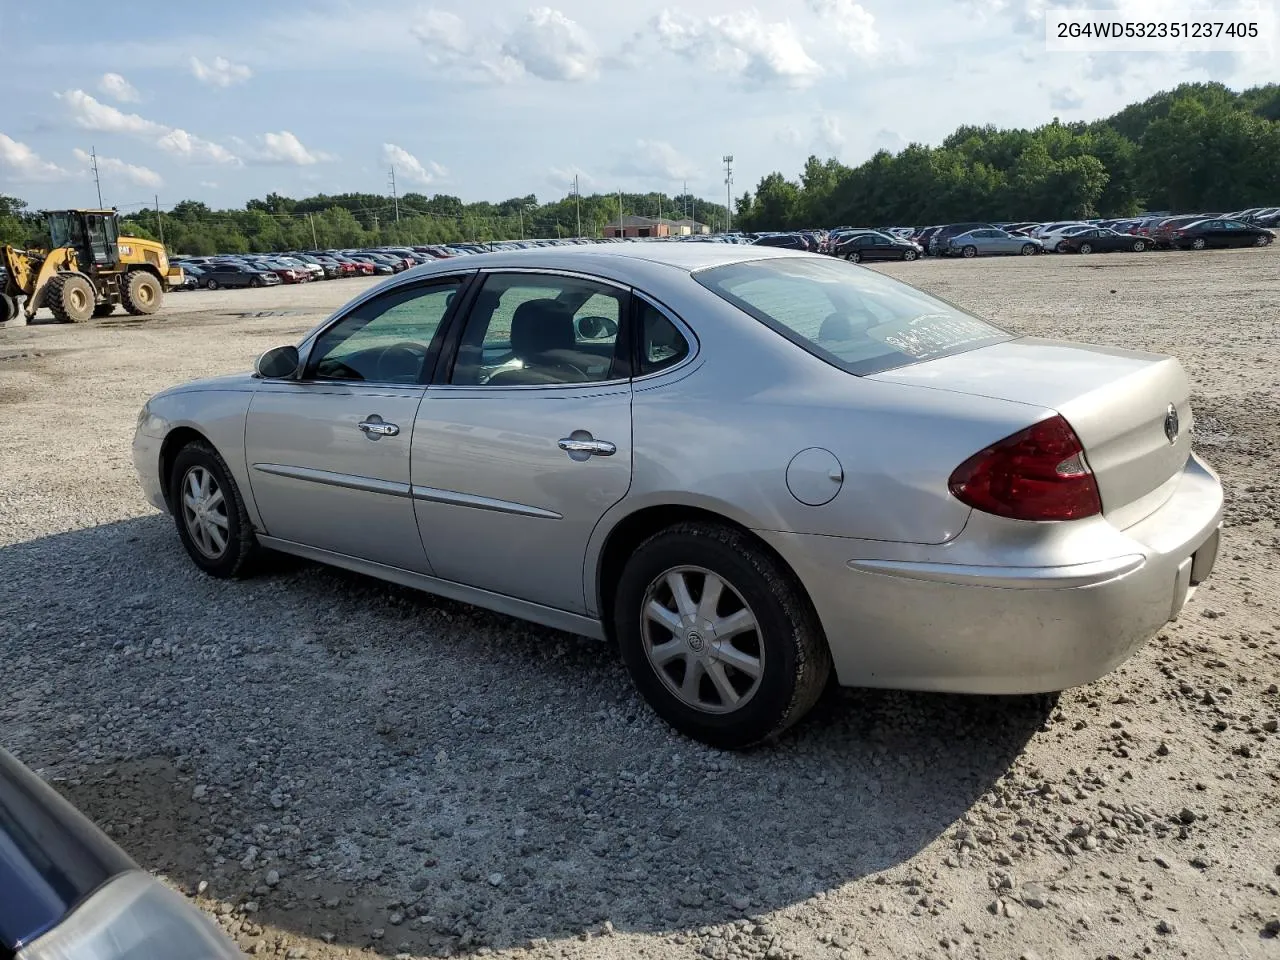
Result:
1037,474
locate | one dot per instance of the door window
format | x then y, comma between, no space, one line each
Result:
385,340
532,329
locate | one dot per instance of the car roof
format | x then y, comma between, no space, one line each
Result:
686,257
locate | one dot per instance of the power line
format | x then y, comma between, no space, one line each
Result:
728,191
395,199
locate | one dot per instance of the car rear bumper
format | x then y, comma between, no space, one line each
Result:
931,623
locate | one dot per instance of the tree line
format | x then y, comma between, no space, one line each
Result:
354,220
1198,147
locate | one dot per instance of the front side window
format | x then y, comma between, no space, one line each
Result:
541,330
858,320
385,340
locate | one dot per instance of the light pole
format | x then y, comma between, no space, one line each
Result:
728,191
577,202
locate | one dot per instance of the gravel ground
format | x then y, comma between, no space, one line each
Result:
330,764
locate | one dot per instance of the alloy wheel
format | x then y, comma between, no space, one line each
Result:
702,639
204,511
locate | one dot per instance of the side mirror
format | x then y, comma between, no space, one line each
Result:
594,328
278,363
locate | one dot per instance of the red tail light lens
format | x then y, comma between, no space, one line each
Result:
1037,474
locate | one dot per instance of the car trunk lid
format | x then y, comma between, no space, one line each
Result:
1131,410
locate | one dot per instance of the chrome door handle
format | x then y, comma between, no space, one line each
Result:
596,448
375,427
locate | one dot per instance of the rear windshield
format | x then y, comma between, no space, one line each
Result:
854,318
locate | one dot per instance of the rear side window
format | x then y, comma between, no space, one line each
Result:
662,345
856,319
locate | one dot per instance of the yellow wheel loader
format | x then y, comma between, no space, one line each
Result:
89,271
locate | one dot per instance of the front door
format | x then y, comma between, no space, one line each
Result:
524,445
328,453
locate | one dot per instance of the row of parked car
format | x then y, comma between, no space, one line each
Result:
976,238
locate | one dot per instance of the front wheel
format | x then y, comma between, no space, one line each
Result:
909,255
210,513
255,282
142,293
855,257
1262,241
211,284
718,635
970,251
1028,250
1198,243
1086,248
1139,246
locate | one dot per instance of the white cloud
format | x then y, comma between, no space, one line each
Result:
91,114
111,166
742,43
563,176
444,35
118,88
550,46
285,148
211,184
23,165
657,160
829,135
221,73
189,147
410,169
852,23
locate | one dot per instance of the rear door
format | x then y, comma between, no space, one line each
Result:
524,440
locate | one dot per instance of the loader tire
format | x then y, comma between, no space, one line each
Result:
71,297
142,294
8,308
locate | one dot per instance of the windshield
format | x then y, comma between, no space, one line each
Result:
854,318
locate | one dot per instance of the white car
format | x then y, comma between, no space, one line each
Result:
1054,236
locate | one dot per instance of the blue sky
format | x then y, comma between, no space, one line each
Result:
225,101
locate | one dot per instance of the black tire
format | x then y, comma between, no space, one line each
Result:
855,256
8,308
1086,248
104,310
789,638
1262,241
255,281
211,284
909,255
142,293
1061,247
969,252
71,297
1198,243
236,557
1139,246
1028,250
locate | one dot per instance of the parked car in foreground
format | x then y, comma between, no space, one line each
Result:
876,246
1101,240
68,892
1218,233
926,501
992,242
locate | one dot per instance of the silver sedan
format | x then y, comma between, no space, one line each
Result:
992,242
751,470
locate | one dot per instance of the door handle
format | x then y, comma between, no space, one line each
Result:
374,427
589,447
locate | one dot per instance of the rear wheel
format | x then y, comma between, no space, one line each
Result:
718,635
209,512
8,308
71,297
142,294
1139,246
969,251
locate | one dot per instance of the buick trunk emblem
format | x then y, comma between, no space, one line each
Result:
1171,424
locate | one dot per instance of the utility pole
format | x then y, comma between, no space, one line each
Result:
93,156
159,222
520,211
728,195
394,198
621,230
375,223
315,244
684,200
577,202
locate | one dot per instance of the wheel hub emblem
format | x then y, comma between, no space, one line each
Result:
1171,425
696,642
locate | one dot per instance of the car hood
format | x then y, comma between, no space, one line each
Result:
234,382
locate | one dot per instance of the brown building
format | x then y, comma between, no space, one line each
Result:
654,227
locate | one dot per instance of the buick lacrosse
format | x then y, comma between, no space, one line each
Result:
750,469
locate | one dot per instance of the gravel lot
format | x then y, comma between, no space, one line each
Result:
333,765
